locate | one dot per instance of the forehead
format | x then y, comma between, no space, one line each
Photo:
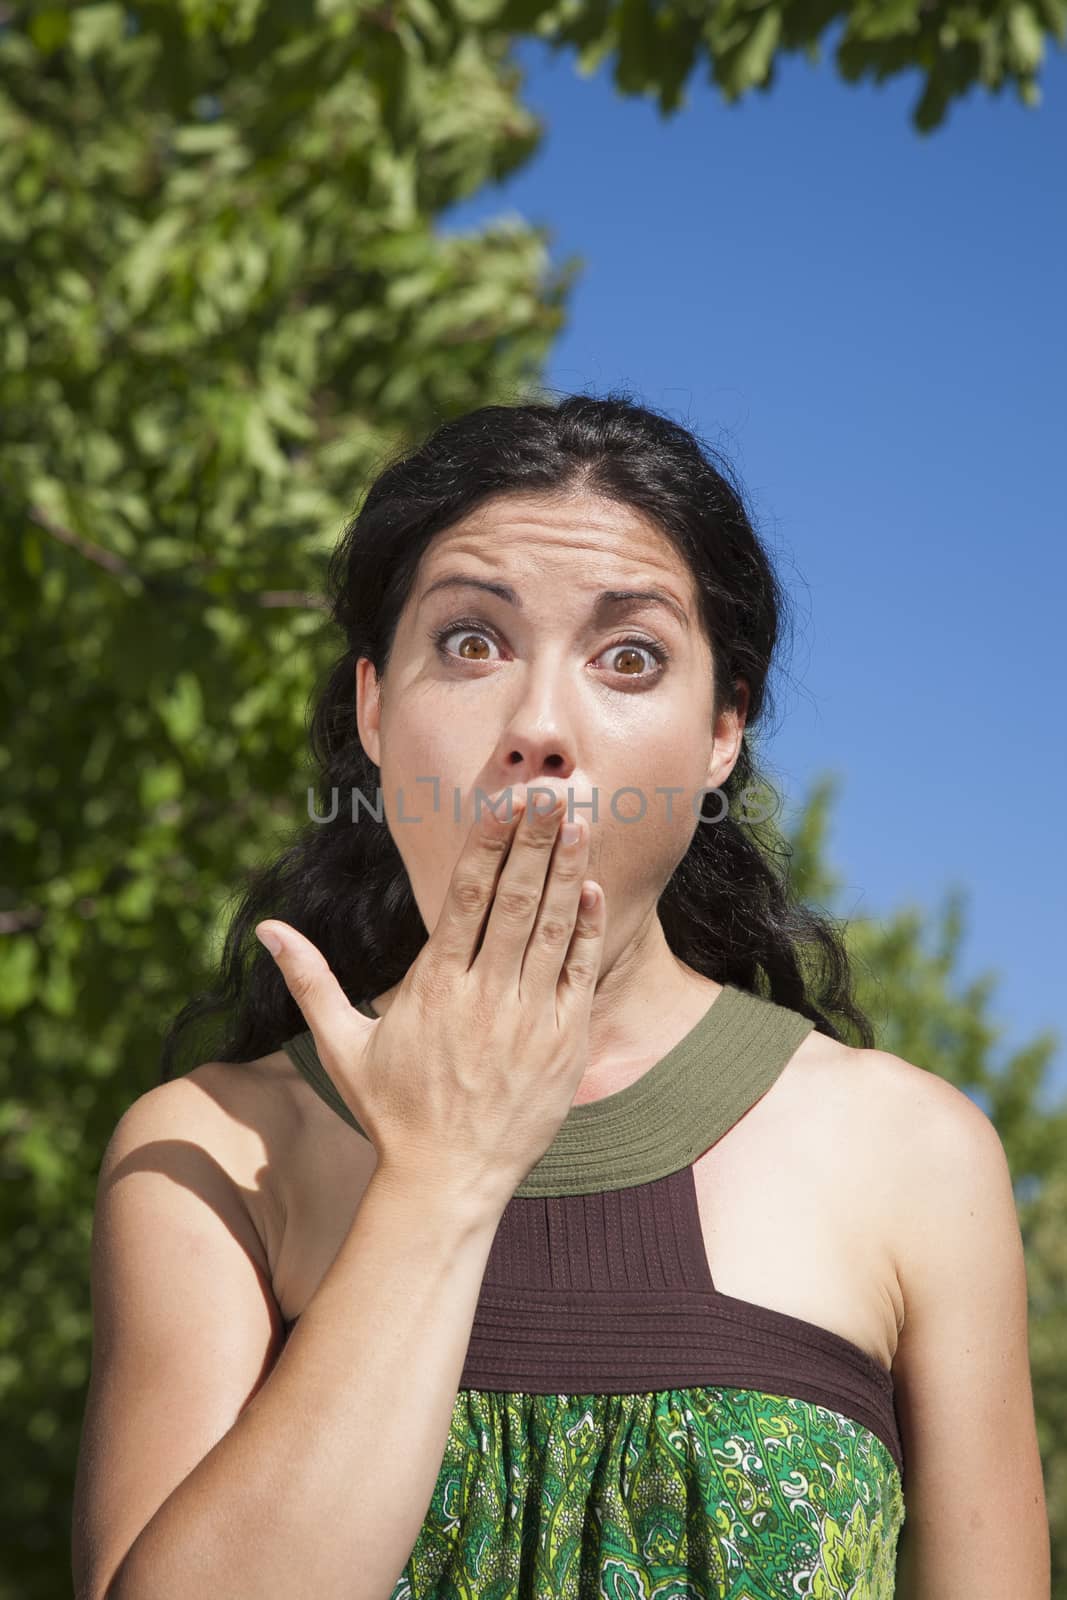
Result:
585,539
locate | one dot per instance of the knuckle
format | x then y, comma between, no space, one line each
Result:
541,839
553,932
469,893
582,970
494,844
516,902
569,870
303,986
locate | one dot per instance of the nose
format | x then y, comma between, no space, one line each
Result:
522,762
534,745
531,767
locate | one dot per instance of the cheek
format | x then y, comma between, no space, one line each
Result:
425,848
429,841
639,856
420,777
644,833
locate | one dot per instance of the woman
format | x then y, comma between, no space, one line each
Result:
514,1246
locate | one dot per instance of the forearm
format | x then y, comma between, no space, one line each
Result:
321,1486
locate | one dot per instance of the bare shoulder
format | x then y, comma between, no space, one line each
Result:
185,1323
915,1088
930,1136
961,1373
860,1089
912,1110
245,1113
920,1141
226,1135
218,1130
946,1184
938,1134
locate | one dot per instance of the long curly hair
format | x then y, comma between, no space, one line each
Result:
728,910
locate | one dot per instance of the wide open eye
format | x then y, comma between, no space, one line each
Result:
469,628
630,648
634,648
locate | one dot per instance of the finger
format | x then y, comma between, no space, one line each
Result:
518,896
451,947
585,956
323,1003
550,936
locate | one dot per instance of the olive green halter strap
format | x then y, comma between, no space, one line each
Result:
663,1121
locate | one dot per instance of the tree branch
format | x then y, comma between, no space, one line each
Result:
118,566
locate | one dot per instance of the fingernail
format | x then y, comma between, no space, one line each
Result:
268,937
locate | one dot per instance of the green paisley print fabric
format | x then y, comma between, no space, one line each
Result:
678,1494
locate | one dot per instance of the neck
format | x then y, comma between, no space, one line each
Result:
645,1001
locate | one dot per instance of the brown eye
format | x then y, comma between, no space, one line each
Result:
631,656
470,633
467,639
627,656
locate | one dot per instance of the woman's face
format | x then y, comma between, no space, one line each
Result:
554,687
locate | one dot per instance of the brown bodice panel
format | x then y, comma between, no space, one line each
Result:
611,1293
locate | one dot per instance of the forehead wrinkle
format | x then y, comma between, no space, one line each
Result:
605,603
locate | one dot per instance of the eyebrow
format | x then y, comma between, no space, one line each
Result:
607,601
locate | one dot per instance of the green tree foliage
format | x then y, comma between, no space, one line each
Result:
656,44
223,302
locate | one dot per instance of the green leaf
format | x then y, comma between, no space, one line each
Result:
58,992
49,30
478,12
260,445
752,61
1026,37
160,784
135,901
203,138
182,710
143,266
96,27
19,964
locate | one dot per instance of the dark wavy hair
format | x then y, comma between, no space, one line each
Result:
727,912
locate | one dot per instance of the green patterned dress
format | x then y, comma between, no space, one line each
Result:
622,1429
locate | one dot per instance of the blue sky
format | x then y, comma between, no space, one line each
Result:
869,322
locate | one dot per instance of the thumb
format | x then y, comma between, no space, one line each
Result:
309,979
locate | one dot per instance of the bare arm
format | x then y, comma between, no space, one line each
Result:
962,1371
198,1473
320,1485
